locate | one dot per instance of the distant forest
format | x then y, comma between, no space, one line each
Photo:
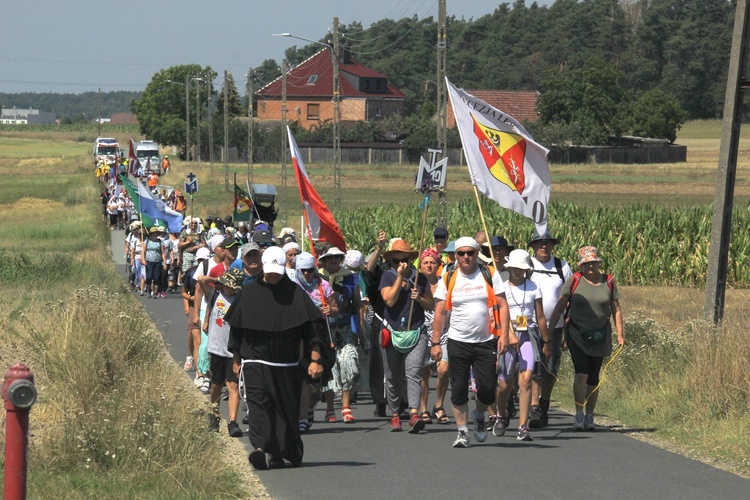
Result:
77,108
679,47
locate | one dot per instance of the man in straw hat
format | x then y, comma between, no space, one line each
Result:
478,331
550,273
406,294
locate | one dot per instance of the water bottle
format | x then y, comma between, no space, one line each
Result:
403,324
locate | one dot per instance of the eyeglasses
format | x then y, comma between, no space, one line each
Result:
305,271
469,253
441,237
399,261
265,244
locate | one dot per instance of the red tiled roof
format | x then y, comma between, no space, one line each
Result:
123,118
320,64
520,104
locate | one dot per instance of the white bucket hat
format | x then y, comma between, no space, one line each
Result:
333,251
519,259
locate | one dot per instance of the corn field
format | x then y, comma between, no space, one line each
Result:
640,244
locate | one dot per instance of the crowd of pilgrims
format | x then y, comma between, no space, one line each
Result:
276,331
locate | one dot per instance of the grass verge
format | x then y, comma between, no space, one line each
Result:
116,416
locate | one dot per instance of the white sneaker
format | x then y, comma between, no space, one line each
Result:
578,425
462,440
189,364
205,388
198,382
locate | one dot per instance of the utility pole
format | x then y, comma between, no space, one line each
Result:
226,133
187,117
210,84
284,145
442,106
99,128
250,124
197,154
716,280
336,118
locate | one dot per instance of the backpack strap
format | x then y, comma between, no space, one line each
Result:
559,269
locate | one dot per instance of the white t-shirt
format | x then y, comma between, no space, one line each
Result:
521,300
470,316
218,329
550,284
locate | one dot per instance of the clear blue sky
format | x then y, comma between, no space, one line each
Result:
80,45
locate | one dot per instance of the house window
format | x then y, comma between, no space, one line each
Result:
312,79
313,111
367,85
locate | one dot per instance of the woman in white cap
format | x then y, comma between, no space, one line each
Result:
291,250
323,297
346,330
527,318
591,298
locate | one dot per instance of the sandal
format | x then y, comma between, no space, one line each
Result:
425,416
443,418
330,416
347,416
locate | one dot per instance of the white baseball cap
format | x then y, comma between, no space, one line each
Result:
274,259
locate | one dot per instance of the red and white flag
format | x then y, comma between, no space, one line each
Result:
321,224
505,163
134,164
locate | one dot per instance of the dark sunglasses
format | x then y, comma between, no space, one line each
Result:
399,261
305,271
470,253
265,244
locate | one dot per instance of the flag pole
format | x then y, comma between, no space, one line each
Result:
320,285
419,257
484,225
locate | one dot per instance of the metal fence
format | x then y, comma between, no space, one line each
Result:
398,156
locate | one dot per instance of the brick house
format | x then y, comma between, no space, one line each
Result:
520,104
366,95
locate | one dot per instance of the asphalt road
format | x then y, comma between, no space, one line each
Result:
364,460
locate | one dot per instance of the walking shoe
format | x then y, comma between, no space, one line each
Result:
416,423
244,420
535,417
395,424
480,428
524,434
233,428
257,459
462,440
578,424
213,422
189,366
198,381
205,386
151,296
498,425
588,423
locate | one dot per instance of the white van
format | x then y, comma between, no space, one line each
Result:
106,149
147,153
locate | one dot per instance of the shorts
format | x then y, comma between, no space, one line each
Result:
552,365
222,369
481,358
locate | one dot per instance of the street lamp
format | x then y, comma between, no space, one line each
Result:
336,110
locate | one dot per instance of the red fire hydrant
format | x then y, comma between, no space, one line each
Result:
19,395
